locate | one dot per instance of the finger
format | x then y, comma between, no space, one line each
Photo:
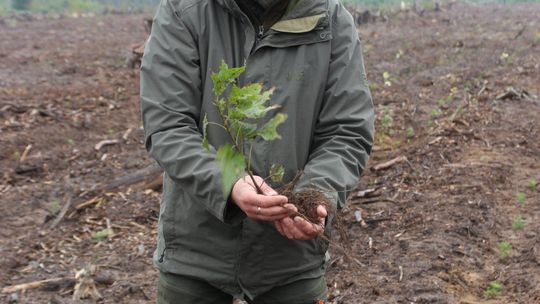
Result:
308,230
294,230
287,225
321,211
322,223
292,208
279,228
267,201
267,214
277,211
254,199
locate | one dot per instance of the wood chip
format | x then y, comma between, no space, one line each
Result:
88,203
25,153
367,193
126,134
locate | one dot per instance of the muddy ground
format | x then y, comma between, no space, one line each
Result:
457,101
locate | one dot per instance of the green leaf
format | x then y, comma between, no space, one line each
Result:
224,77
493,290
205,138
533,183
504,248
249,102
220,104
102,234
269,130
246,93
521,197
276,173
219,86
519,223
232,164
244,129
55,207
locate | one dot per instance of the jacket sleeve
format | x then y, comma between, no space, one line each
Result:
171,97
343,134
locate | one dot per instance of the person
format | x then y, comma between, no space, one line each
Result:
212,246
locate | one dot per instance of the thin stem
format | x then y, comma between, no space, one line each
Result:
216,124
226,126
237,147
268,177
249,156
237,140
259,190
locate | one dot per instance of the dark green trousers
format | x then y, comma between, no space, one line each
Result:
175,289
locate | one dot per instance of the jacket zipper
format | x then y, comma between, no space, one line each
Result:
259,35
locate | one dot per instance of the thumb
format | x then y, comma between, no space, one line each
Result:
291,207
321,211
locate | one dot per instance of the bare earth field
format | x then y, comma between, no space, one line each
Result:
456,93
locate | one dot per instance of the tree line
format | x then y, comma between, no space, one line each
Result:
63,6
59,6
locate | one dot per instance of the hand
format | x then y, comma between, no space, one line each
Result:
300,229
262,207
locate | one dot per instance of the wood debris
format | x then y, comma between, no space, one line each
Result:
389,164
106,142
86,287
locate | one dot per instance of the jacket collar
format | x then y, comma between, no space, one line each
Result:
305,16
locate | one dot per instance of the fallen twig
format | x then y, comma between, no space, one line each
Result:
126,134
39,284
106,142
27,169
88,203
148,175
137,225
388,164
520,32
25,153
62,213
512,93
375,200
55,283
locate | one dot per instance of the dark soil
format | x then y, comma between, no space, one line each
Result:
459,102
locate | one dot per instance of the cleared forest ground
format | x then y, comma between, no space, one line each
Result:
456,93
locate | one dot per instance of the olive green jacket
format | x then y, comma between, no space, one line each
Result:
312,57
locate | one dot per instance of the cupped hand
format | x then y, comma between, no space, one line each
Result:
298,228
263,207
